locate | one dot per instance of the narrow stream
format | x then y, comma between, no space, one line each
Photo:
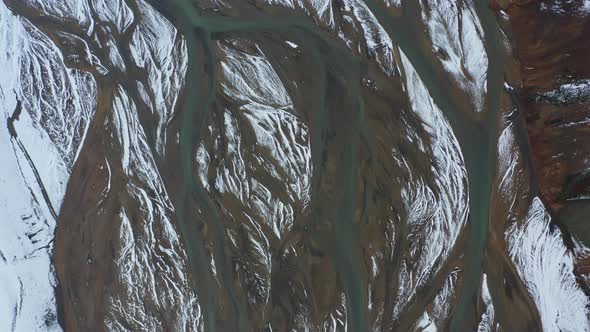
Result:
477,136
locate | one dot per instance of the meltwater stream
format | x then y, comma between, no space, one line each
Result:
476,138
343,251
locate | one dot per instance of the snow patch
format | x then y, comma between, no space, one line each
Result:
546,267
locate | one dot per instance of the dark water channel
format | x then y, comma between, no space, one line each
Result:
476,134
